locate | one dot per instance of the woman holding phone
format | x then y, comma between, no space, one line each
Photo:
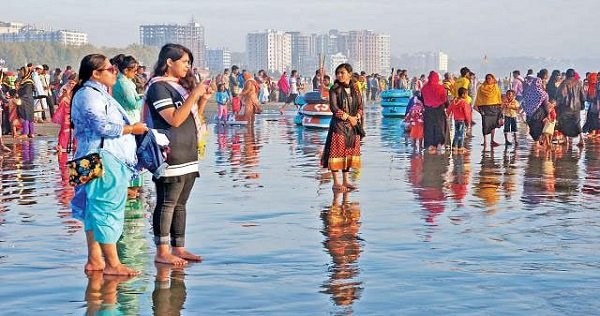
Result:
175,104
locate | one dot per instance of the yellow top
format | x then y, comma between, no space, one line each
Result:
488,94
510,108
462,82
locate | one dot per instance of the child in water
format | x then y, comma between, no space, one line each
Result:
414,120
222,98
13,116
549,123
510,109
460,110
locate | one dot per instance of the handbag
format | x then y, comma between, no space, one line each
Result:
85,169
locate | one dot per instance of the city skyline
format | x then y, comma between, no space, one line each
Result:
460,28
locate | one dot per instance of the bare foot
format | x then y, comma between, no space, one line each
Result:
339,188
94,266
184,254
120,269
170,259
350,186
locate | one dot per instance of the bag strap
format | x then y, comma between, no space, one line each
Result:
72,126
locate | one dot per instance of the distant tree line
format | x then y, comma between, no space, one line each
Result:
57,55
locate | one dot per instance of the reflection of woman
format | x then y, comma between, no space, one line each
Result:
102,126
435,125
176,109
169,293
101,295
569,100
342,147
488,182
341,227
488,103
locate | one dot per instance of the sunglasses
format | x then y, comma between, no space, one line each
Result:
112,69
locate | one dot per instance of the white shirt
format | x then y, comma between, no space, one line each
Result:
293,85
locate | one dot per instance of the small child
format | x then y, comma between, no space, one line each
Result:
414,119
460,110
13,116
549,123
510,109
222,98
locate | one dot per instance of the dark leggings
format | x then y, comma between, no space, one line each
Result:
168,220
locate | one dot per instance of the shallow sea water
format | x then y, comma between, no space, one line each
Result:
511,231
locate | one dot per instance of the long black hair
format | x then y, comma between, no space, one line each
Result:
170,51
88,64
123,62
348,68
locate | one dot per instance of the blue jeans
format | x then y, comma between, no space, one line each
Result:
459,134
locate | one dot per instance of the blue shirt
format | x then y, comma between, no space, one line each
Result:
96,114
222,97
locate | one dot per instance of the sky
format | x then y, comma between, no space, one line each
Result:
461,28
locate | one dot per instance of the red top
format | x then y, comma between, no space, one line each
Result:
460,109
552,115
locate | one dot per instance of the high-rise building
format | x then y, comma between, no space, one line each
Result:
365,50
270,50
190,35
442,62
304,57
384,53
424,62
18,32
218,59
333,61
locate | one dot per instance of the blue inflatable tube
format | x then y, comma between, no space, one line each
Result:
396,93
394,111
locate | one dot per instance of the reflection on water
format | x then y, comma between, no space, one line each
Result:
341,228
169,292
101,294
509,231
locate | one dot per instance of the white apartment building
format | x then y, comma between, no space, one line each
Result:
384,54
270,50
10,27
18,32
190,35
218,59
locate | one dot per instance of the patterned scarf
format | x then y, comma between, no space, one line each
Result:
533,95
201,128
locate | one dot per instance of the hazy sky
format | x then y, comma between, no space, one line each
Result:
462,28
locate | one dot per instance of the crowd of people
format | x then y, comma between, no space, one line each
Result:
110,103
550,105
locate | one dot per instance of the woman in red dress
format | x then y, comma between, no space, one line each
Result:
342,147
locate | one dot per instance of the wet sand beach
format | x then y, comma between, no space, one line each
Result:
507,231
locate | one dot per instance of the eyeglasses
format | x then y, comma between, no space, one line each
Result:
112,69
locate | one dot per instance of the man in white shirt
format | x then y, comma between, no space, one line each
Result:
40,93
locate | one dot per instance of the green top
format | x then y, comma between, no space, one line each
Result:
125,93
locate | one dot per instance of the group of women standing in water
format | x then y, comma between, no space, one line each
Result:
102,125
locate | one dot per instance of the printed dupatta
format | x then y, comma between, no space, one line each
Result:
201,128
